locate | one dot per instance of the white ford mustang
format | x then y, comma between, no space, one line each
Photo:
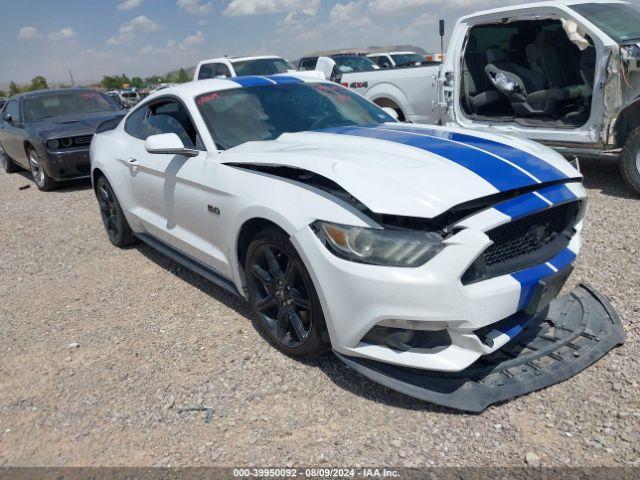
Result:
416,253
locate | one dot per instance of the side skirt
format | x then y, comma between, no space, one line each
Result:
190,263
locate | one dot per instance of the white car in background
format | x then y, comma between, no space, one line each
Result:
397,59
427,258
227,67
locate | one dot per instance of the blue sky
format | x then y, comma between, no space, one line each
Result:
143,37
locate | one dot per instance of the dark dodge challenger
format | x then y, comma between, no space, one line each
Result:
49,131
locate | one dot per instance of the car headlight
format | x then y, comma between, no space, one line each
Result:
53,144
399,248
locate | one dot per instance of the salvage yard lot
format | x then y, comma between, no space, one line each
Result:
155,338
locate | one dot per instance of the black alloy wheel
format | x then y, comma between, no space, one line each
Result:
284,301
113,218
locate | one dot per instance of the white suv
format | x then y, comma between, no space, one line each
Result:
227,67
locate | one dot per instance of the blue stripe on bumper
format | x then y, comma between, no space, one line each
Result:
530,277
522,205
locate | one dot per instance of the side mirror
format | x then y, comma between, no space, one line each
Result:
6,116
168,144
391,112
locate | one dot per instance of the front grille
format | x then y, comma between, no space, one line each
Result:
525,242
81,141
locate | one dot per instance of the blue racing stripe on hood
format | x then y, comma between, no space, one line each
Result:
493,170
252,81
541,169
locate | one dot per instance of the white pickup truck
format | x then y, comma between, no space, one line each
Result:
565,73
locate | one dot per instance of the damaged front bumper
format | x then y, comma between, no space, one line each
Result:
571,334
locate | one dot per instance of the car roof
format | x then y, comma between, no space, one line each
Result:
548,4
198,87
240,59
53,91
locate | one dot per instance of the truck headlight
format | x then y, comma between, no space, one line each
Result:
399,248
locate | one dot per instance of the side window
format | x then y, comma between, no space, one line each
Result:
308,64
206,71
133,125
13,109
164,116
222,70
384,62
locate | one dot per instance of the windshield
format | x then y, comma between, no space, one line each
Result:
71,103
264,113
405,59
354,63
618,20
264,66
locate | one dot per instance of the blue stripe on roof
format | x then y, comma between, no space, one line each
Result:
541,169
285,79
557,193
522,205
251,81
495,171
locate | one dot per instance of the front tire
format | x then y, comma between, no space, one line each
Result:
7,163
630,161
285,305
113,219
43,181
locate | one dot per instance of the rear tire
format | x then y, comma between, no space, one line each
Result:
630,161
43,181
113,219
285,305
7,163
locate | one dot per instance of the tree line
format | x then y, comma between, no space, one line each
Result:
37,83
108,82
119,81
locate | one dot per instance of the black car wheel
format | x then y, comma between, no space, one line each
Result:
113,219
43,181
6,162
285,305
630,161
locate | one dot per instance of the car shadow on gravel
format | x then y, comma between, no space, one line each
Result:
604,175
329,364
68,186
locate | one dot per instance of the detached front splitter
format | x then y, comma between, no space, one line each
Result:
576,330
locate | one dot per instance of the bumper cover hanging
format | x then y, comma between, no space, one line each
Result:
576,330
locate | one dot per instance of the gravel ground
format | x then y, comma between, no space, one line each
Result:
101,348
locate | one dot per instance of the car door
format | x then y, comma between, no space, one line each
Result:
172,199
12,132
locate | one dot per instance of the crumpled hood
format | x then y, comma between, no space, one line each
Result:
410,170
72,125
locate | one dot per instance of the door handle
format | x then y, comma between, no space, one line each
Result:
132,160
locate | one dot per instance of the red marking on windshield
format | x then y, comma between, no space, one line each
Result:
207,98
